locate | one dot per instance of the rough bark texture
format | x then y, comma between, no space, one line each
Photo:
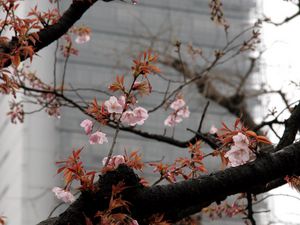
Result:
179,200
292,126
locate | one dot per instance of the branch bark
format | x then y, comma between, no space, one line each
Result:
292,126
179,200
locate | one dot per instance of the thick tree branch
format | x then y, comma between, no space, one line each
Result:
184,198
170,199
292,126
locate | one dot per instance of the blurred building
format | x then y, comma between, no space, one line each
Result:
29,151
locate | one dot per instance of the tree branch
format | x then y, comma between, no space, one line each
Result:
292,126
53,32
181,199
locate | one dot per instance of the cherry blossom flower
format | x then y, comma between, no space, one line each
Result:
239,153
87,125
83,38
184,112
98,138
213,130
177,104
128,117
172,120
143,88
63,195
141,115
114,161
137,116
115,105
240,140
237,156
180,111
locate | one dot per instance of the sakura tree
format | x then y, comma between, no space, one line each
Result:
116,193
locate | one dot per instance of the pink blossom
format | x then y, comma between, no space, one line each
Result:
238,156
184,112
141,115
128,117
240,140
83,38
114,105
137,116
213,130
114,161
136,85
239,153
98,138
122,101
63,195
177,104
134,222
172,120
87,125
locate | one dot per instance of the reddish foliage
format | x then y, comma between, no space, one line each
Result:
73,170
144,64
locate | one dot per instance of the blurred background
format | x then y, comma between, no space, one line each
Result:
119,32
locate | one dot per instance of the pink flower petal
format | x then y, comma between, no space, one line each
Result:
114,161
177,104
87,125
98,138
184,112
141,115
114,105
238,156
172,120
137,116
63,195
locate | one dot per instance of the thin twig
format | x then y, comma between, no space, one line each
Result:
250,209
64,72
203,115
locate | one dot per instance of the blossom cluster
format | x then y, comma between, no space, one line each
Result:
239,152
96,137
116,107
239,144
137,116
180,111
